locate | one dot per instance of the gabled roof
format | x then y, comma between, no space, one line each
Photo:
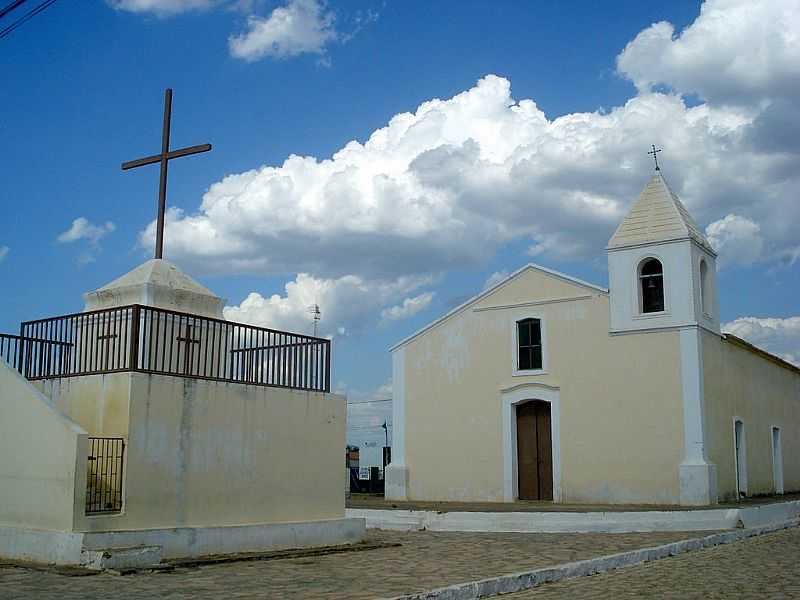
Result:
729,337
499,284
657,215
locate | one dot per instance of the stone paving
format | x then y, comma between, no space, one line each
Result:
767,566
424,561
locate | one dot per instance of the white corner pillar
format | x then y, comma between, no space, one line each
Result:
396,476
698,476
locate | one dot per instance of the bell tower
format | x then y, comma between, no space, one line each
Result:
663,277
662,270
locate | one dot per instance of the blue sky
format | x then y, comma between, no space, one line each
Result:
533,154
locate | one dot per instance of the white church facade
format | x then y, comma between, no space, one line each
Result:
545,387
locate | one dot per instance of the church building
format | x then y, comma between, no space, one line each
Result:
546,387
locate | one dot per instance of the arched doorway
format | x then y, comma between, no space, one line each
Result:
534,451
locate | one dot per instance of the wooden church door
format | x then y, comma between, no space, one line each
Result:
534,451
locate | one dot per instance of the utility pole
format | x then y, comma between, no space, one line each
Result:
316,314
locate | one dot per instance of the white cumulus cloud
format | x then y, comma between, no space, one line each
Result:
447,184
299,27
83,229
3,252
775,335
162,8
735,51
408,308
736,239
347,303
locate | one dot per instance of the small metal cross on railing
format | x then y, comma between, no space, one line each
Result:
189,341
104,340
654,152
164,158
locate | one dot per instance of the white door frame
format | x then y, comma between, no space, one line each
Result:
777,458
740,458
510,397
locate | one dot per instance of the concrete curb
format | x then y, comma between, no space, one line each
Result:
516,582
140,557
551,522
579,522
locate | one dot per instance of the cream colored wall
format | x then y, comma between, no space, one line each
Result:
203,453
621,408
740,383
42,458
98,403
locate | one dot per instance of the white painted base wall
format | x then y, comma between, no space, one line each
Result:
548,522
580,522
35,545
396,482
65,548
698,484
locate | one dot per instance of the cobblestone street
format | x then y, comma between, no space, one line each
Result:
763,567
426,560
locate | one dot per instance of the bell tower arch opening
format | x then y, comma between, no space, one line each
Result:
651,286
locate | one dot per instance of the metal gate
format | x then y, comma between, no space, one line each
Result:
104,475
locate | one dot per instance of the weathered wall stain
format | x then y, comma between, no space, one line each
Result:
202,453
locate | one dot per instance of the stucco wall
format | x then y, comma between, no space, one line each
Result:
203,453
621,435
763,394
98,403
42,458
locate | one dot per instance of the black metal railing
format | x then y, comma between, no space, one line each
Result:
9,349
154,340
104,475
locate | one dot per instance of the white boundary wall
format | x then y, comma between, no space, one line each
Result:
81,549
42,459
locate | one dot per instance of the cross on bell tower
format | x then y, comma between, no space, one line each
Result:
654,152
163,159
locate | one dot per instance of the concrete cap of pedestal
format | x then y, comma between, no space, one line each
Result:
157,283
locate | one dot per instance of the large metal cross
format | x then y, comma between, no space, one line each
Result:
164,158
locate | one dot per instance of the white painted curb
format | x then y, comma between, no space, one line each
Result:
121,558
550,522
576,522
767,514
516,582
